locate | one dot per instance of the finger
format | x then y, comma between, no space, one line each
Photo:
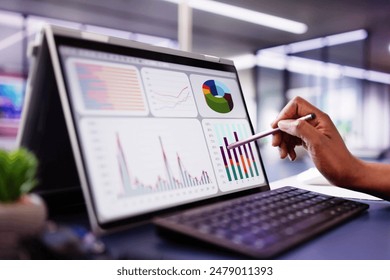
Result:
276,139
292,154
291,143
296,108
299,128
288,141
283,150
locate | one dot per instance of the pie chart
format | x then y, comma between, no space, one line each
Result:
218,96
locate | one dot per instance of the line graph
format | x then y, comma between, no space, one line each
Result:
132,185
171,101
169,93
138,164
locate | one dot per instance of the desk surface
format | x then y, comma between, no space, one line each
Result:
365,237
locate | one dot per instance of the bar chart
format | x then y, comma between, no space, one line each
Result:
237,167
107,88
240,161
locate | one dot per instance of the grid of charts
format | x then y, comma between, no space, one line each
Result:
176,122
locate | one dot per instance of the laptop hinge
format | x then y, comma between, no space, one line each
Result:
212,58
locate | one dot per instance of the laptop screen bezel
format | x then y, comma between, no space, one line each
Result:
160,55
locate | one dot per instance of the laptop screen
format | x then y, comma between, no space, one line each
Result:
153,127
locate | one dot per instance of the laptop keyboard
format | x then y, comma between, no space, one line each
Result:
264,224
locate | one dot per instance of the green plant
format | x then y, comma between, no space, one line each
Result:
18,170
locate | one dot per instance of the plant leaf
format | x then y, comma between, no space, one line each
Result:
17,173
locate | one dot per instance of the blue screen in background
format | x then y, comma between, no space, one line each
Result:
11,102
11,99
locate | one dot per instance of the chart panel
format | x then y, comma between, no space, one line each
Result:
106,88
217,97
235,168
132,185
169,93
143,164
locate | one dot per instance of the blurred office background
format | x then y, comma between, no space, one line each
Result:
334,53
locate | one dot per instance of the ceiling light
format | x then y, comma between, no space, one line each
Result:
305,66
271,60
379,77
306,45
332,40
313,67
11,19
244,61
332,70
354,72
15,38
346,37
11,40
245,15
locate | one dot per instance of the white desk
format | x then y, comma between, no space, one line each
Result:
325,189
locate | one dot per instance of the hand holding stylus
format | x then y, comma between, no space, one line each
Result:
319,137
265,133
327,150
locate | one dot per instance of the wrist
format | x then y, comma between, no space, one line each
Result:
357,173
351,173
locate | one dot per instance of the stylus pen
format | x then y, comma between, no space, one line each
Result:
265,133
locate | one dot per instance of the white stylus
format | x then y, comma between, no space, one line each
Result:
265,133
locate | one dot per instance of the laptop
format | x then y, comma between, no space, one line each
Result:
144,131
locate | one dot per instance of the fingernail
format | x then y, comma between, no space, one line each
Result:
290,158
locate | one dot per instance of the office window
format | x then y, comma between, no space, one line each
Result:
16,32
335,78
343,103
351,54
376,116
271,100
12,75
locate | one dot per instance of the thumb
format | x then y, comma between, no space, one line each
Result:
298,128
